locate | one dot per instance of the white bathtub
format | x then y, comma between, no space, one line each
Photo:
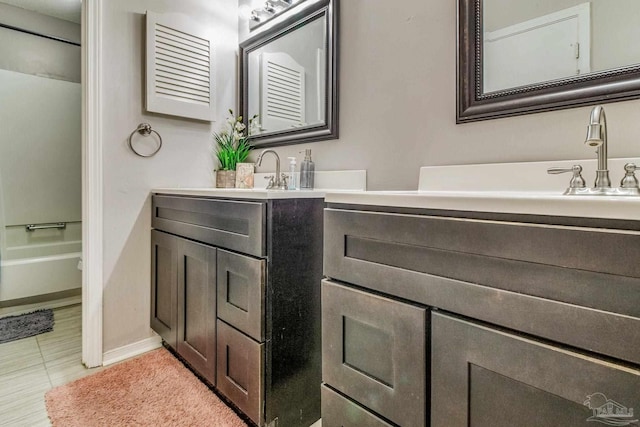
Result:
40,182
40,263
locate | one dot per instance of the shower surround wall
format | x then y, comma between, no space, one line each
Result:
40,181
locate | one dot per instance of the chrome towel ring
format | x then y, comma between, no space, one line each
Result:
144,129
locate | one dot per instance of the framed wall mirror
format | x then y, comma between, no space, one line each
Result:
289,77
521,56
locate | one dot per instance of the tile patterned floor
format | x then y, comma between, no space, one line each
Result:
30,367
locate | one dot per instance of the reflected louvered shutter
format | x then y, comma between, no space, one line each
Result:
180,68
283,92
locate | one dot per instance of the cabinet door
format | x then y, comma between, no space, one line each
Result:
164,289
485,377
374,351
241,293
197,307
241,371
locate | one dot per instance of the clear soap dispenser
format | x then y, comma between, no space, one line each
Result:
307,171
292,173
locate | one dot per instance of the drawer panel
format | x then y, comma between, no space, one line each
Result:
601,251
236,225
374,351
340,412
241,297
536,279
568,264
240,371
483,376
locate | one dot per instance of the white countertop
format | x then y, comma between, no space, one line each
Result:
239,193
519,188
531,203
326,181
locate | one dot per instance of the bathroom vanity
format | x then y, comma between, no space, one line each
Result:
235,292
471,308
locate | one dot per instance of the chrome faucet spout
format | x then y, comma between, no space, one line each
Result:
277,181
597,137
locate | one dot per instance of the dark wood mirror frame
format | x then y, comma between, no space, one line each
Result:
302,15
607,86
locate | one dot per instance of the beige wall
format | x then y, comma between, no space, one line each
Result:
185,159
397,113
398,103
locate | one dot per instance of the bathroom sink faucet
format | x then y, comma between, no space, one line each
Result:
278,182
597,137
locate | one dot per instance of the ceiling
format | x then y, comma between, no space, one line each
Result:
69,10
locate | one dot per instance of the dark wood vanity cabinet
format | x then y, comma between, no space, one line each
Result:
164,286
241,370
527,321
183,291
375,352
236,293
196,295
483,376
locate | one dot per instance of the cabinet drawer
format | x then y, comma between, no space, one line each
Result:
340,412
241,283
236,225
240,371
374,351
482,376
571,264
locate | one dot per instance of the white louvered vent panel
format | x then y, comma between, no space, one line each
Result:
283,97
179,68
180,59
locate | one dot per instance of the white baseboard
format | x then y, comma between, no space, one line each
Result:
131,350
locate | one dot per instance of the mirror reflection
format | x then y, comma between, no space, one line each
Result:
287,80
529,42
288,76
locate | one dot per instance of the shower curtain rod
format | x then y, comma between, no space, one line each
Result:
33,33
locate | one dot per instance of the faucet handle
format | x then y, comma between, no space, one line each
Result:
556,171
629,180
271,182
577,181
284,184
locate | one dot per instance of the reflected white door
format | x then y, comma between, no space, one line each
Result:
542,49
